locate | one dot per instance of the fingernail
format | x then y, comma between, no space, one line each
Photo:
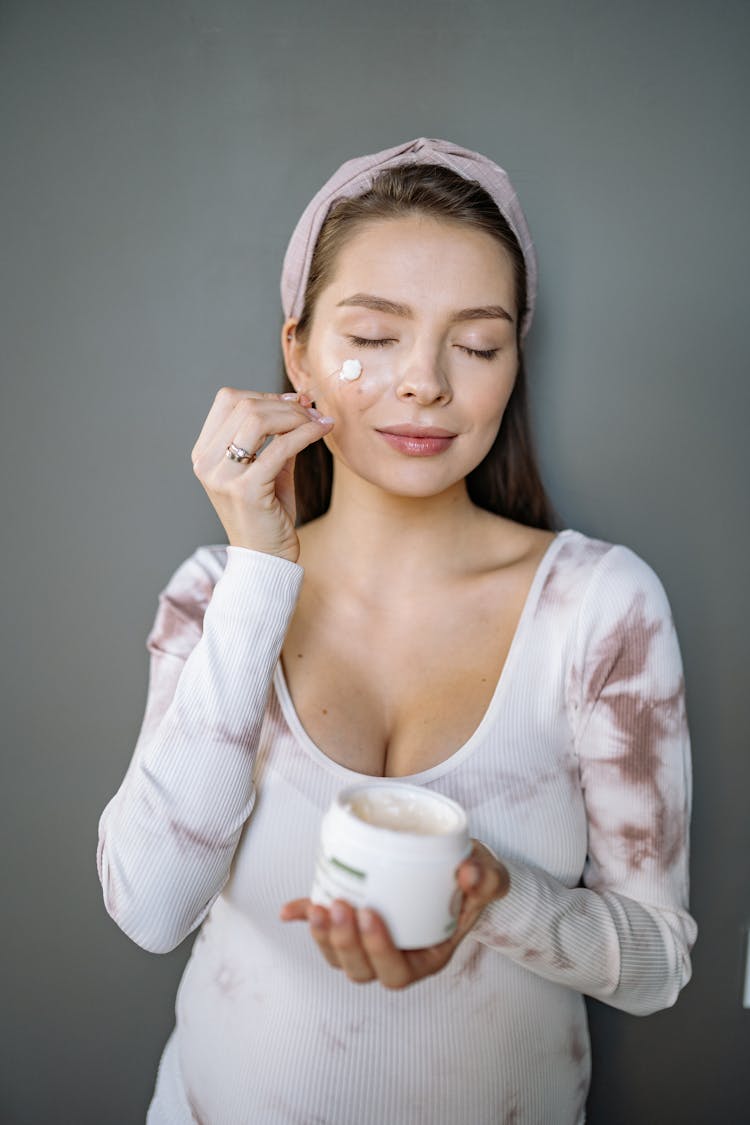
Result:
338,914
291,397
317,919
474,876
366,920
322,418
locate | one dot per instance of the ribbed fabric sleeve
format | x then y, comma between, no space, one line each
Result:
625,936
167,838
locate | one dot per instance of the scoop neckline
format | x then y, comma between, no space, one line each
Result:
289,711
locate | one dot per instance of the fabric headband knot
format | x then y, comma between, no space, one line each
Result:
355,177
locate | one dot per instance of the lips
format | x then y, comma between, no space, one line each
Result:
417,441
409,429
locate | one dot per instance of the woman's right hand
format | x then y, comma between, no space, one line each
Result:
256,502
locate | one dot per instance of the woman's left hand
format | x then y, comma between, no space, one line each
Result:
358,942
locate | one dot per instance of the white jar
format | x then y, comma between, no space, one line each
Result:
395,848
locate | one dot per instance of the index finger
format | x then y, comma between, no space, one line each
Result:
295,911
224,403
482,876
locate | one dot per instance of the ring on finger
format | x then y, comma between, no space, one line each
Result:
237,453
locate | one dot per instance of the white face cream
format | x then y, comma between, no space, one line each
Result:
395,848
351,369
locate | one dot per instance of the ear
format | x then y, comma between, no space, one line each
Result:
295,355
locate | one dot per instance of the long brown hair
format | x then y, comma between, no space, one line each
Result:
507,481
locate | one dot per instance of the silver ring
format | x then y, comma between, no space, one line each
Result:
237,453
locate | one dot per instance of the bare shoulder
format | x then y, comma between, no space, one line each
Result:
511,544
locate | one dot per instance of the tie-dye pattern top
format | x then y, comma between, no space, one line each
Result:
577,777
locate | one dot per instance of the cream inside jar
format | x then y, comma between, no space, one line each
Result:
403,812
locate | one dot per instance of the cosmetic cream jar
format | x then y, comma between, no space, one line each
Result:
395,848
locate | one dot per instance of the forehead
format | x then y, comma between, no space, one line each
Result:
416,247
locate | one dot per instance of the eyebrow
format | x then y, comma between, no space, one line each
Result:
380,304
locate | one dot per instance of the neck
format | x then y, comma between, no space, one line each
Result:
402,541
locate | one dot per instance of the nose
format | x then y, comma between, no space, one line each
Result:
423,380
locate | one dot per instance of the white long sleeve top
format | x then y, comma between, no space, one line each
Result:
578,777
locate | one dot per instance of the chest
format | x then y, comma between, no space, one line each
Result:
399,688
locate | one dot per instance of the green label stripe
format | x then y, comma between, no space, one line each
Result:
347,868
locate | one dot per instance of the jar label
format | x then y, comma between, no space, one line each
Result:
335,878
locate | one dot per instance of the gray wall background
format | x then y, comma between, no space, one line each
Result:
155,155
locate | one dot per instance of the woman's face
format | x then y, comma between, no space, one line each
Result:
428,308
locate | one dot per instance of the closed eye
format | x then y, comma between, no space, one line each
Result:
365,342
490,353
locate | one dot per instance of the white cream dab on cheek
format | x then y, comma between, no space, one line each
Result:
351,369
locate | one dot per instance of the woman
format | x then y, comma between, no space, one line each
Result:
416,618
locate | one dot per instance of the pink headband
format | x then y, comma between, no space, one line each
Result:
355,177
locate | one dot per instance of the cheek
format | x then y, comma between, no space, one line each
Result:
336,395
487,398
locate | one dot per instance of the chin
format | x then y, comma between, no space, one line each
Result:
416,485
409,476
